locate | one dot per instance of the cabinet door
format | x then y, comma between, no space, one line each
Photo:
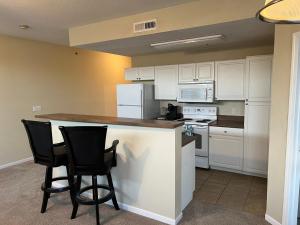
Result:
259,72
226,151
256,137
146,73
205,71
230,80
165,82
187,73
131,74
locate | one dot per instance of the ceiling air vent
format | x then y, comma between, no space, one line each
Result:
144,26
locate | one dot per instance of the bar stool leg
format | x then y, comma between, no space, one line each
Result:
95,197
75,205
48,184
111,186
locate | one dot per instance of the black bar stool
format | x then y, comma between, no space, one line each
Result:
48,154
88,157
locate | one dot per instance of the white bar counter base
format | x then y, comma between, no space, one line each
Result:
147,178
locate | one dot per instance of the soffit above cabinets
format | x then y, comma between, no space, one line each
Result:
242,33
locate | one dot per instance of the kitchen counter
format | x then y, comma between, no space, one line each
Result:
146,155
111,120
187,139
229,121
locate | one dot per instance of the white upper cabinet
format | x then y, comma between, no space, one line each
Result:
146,73
230,79
187,73
205,71
166,80
131,74
257,116
140,73
259,73
196,73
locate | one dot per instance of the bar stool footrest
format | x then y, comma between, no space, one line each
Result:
56,190
85,201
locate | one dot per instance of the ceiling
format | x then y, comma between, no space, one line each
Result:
50,19
243,33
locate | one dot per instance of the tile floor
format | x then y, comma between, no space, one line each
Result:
230,190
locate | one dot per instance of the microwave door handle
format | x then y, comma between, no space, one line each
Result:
206,94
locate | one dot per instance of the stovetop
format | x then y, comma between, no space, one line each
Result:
199,115
199,121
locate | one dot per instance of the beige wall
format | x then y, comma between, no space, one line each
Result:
225,107
189,15
234,108
55,78
279,118
194,57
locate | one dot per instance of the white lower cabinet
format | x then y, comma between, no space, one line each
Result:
187,173
226,147
257,116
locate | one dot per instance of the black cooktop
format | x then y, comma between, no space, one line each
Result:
184,119
203,121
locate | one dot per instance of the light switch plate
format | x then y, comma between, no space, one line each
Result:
36,108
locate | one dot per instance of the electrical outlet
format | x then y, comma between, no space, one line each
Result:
36,108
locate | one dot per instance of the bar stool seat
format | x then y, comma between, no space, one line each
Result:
60,155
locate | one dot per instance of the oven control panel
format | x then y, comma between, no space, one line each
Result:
198,110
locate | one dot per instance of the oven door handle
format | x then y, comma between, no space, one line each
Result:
200,126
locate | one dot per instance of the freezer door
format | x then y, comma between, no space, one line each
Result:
129,94
134,112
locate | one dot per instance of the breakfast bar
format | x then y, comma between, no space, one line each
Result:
147,178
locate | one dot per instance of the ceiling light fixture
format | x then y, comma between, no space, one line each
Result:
187,41
280,11
24,27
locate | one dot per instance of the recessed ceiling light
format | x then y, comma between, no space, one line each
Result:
24,27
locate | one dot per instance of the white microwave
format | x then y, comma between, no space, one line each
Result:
203,92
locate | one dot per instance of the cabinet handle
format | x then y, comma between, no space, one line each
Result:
225,131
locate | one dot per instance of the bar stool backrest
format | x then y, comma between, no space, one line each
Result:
86,146
40,140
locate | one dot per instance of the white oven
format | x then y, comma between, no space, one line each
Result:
203,92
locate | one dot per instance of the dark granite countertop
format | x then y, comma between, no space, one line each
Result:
229,121
187,139
111,120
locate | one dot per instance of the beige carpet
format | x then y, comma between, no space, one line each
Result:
20,202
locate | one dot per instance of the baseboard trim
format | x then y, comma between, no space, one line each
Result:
149,214
238,171
16,163
136,210
271,220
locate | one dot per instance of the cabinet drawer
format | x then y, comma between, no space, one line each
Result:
226,131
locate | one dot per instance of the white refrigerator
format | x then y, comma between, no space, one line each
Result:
137,101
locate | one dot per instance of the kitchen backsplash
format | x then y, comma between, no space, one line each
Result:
234,108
